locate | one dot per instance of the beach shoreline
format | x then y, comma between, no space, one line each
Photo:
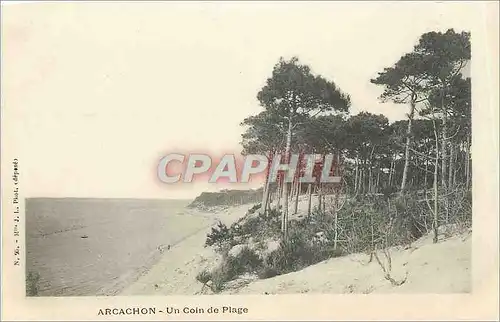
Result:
97,247
175,271
165,255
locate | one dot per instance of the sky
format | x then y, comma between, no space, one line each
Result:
94,94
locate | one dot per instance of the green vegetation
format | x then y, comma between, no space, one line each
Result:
401,180
203,276
231,267
220,237
364,224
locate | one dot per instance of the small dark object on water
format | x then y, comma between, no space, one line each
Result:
84,236
168,247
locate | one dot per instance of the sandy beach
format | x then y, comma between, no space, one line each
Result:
121,247
175,273
444,267
99,246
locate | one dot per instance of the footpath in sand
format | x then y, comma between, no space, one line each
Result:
444,267
175,273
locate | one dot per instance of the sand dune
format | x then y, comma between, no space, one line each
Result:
175,273
444,267
124,253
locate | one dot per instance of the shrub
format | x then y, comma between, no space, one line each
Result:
287,258
220,237
267,272
336,252
371,221
250,225
203,276
254,208
260,226
219,278
247,261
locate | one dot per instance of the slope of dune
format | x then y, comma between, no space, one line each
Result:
425,267
175,273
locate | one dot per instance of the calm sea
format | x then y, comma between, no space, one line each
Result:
98,246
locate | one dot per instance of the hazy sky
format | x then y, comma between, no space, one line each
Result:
96,93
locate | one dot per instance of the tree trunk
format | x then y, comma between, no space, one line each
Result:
451,168
444,154
265,196
296,206
391,170
370,179
426,172
362,180
444,139
467,164
378,181
435,186
284,227
270,199
408,142
309,199
436,214
320,199
279,190
356,177
444,165
364,176
370,172
335,210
